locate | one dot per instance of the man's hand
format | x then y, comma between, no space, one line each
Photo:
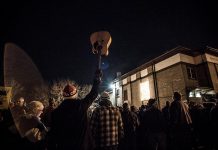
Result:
98,75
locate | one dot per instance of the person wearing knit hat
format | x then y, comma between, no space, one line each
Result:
70,91
69,121
106,124
105,99
105,95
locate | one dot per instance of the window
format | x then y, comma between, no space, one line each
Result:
117,92
198,94
192,94
145,90
191,72
125,95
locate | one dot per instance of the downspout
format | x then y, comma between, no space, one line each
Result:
155,84
140,92
131,92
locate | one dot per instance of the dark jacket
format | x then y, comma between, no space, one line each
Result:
69,123
33,132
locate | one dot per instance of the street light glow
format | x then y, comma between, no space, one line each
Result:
112,86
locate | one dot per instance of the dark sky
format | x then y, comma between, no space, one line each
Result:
56,34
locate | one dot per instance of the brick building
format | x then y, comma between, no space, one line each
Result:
180,69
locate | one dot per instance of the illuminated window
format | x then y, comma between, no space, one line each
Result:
198,94
145,90
192,94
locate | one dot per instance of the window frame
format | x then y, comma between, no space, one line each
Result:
191,72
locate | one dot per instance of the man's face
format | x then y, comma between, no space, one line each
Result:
20,102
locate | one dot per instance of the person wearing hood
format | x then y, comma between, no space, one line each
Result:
106,125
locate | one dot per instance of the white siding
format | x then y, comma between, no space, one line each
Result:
187,59
198,59
125,81
211,58
144,72
175,59
167,62
133,77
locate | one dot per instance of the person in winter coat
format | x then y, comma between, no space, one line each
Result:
31,128
69,121
180,122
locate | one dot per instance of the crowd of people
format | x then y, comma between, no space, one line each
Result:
68,126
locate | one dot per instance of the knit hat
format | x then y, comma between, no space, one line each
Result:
105,96
105,99
69,90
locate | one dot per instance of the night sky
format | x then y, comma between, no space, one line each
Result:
56,34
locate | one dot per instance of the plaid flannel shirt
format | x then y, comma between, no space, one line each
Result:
107,126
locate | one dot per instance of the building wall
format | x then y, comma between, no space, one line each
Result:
136,100
213,76
133,90
203,75
189,83
128,88
112,96
212,61
169,80
1,63
150,81
120,94
171,75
